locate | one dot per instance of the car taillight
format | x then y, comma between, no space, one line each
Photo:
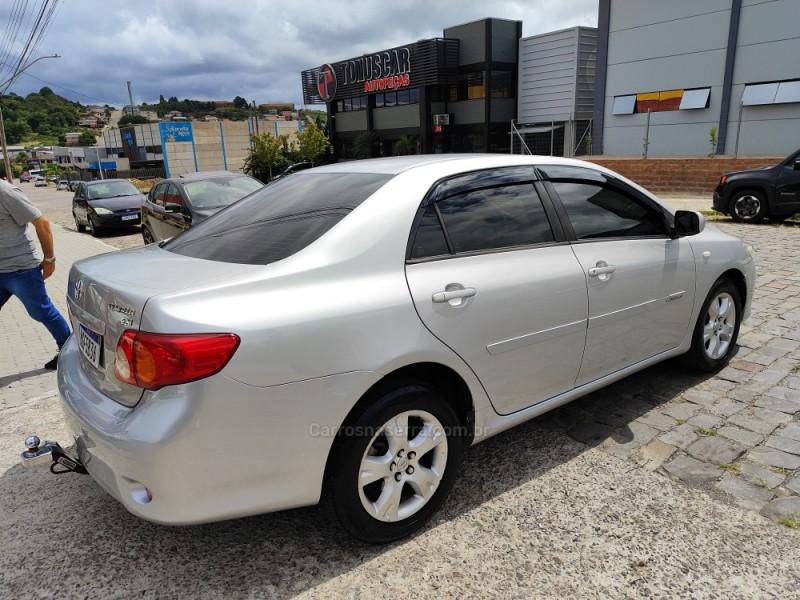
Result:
153,360
722,179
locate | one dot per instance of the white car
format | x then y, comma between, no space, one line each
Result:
63,184
345,334
40,182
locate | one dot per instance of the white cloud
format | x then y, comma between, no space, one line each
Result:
209,49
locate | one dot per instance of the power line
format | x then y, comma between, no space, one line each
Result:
61,87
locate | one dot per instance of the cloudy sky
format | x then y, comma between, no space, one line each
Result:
218,49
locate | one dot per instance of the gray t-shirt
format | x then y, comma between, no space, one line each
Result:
17,248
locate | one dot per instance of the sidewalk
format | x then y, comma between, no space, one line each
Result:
26,345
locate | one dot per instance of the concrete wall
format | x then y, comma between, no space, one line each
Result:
472,48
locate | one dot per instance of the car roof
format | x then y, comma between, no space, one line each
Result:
99,181
399,164
204,175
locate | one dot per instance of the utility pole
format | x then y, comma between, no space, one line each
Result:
3,89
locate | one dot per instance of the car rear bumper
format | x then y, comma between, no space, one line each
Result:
210,450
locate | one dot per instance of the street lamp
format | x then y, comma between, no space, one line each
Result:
3,89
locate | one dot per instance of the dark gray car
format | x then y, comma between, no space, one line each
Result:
174,205
106,204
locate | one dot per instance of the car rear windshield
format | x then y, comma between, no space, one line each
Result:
279,220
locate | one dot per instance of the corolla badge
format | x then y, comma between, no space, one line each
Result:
77,291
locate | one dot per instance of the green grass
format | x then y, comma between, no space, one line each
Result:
729,467
790,522
704,431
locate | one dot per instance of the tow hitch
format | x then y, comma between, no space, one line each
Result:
39,453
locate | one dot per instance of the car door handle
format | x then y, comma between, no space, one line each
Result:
601,269
440,297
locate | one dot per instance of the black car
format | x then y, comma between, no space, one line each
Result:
174,205
105,204
752,195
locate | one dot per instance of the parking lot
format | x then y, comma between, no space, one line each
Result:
654,487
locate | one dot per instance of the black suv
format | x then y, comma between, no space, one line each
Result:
753,195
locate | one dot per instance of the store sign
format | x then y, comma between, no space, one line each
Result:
389,69
175,132
326,82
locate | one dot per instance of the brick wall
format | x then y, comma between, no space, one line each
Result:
684,175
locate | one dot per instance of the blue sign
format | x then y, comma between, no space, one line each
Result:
175,132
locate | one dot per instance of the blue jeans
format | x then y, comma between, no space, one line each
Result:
28,286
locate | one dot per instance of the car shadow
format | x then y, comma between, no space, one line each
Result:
65,533
7,380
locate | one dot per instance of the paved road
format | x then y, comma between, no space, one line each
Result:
653,487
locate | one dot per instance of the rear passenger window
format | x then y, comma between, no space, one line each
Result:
429,239
599,212
494,218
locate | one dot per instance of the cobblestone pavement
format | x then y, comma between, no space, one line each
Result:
734,433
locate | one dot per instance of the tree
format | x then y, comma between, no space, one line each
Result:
266,155
132,120
406,145
87,138
312,142
364,144
239,102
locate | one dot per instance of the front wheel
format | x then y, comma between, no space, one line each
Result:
93,229
393,468
147,235
717,328
78,226
748,206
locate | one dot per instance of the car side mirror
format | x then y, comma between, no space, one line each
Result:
797,164
688,222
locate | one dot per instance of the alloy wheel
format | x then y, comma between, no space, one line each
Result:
719,326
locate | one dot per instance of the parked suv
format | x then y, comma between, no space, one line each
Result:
174,205
752,195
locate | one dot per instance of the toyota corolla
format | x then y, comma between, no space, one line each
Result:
344,334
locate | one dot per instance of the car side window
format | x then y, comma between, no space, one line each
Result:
172,195
505,216
157,195
599,211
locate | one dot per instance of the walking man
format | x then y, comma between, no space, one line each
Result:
22,274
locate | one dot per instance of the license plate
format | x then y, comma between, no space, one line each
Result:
129,217
90,343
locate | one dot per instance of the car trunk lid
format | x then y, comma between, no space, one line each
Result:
108,295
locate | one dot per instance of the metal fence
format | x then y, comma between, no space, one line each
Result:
553,138
151,173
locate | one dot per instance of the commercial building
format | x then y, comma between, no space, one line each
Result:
456,93
688,78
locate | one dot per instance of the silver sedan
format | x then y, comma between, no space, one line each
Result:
344,334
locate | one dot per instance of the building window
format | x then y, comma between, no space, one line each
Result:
502,85
777,92
624,105
667,100
470,86
390,99
693,99
350,104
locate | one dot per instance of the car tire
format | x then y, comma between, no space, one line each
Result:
748,206
78,226
93,229
717,328
147,236
410,474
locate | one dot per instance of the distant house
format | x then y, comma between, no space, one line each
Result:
72,138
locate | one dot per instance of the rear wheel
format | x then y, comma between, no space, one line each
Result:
394,467
717,328
748,206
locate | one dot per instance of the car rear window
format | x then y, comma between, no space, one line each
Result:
279,220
